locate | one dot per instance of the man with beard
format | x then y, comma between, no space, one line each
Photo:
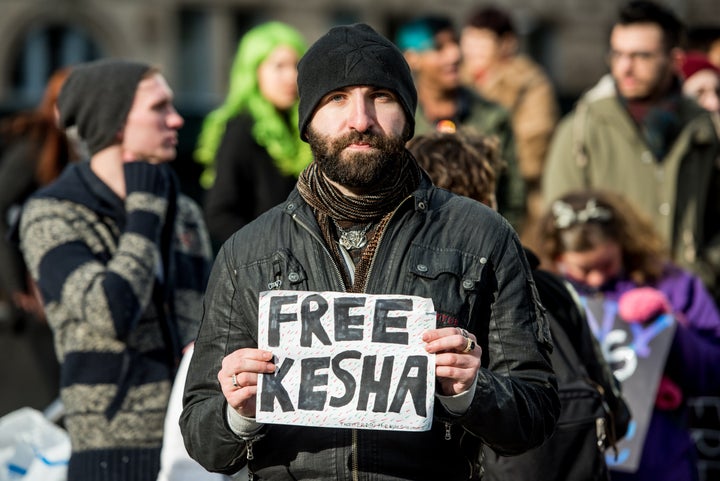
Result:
365,218
636,134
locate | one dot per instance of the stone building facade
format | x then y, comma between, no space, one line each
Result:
194,40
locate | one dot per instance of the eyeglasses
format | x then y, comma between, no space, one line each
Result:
613,56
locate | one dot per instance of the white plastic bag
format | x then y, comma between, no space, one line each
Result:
32,448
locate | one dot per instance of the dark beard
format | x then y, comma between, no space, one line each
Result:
357,169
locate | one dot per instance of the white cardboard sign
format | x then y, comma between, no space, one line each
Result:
346,360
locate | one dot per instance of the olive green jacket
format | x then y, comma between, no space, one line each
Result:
598,145
490,119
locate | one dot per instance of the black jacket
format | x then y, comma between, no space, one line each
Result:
437,245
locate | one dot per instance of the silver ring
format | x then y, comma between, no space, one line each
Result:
470,346
463,333
234,380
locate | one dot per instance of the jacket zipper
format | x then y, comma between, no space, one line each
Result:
312,233
355,464
250,456
354,444
355,447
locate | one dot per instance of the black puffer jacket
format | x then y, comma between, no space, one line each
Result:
449,248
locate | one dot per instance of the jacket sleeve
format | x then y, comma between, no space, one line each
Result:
208,438
64,254
534,120
516,402
562,171
511,186
707,264
694,358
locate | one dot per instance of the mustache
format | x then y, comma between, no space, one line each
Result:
354,136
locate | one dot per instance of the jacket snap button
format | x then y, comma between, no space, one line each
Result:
483,260
294,277
421,205
468,284
422,268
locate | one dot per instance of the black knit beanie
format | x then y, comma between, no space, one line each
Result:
353,55
97,97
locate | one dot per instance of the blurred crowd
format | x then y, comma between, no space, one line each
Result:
620,193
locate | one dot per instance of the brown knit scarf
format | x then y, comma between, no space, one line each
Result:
378,206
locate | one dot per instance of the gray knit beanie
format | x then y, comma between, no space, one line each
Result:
97,97
353,55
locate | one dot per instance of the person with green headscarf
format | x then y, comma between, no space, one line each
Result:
250,145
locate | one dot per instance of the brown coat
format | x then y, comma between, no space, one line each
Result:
521,86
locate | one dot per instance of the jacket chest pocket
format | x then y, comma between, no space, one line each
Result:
451,278
282,271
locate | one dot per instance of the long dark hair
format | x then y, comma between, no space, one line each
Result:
40,125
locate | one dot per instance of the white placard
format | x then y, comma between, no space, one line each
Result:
346,360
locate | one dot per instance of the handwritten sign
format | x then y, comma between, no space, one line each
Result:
346,360
636,353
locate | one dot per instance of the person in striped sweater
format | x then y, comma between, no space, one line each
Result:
121,259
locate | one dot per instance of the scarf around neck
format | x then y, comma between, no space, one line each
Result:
330,204
659,122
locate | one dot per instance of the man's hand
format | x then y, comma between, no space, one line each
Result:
238,378
457,359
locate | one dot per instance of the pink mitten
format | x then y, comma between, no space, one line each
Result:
643,304
669,395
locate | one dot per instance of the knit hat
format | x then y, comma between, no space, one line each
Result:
353,55
694,62
419,34
97,97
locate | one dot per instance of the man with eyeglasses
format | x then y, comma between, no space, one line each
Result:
635,133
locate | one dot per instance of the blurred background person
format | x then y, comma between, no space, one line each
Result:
431,47
467,163
701,81
36,151
251,145
635,133
607,247
705,39
121,258
494,66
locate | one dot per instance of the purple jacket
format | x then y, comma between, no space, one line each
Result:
693,363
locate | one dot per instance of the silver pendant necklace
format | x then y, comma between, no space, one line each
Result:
352,238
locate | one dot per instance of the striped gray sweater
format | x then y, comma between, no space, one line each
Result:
120,308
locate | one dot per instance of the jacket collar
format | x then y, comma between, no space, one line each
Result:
79,184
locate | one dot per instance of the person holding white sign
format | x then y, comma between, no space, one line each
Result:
609,250
361,252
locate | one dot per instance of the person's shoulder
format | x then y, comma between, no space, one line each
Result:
68,186
463,210
699,121
479,102
675,277
241,122
527,70
265,223
189,211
